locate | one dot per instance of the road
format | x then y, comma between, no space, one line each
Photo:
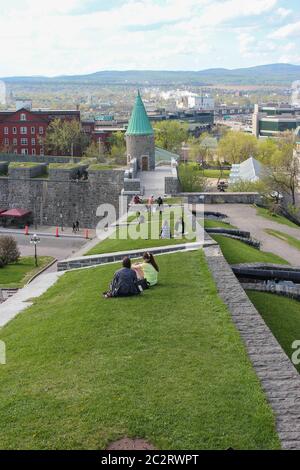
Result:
244,217
59,248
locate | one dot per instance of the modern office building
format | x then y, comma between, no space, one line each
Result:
271,120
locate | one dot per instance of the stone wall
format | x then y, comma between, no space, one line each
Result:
27,172
139,145
48,199
172,185
11,157
132,185
223,198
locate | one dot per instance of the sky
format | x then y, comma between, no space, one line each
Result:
58,37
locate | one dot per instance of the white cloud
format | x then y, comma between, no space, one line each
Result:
291,29
283,12
46,37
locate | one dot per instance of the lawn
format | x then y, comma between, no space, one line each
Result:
123,239
282,315
17,274
261,211
215,174
211,223
292,241
237,252
168,366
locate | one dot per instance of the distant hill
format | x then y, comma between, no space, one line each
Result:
272,74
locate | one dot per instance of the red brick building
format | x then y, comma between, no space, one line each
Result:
23,131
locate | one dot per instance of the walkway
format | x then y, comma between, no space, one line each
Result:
153,182
244,217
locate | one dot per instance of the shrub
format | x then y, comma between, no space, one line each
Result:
9,252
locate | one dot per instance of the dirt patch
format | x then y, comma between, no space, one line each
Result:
130,444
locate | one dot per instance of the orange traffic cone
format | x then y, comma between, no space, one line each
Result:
26,230
56,232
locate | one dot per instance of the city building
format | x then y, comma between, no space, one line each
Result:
271,120
193,101
295,98
140,140
23,131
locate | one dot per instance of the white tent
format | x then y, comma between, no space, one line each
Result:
249,170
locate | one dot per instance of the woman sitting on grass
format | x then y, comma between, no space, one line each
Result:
124,283
148,269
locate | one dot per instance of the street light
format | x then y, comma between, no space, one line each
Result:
34,241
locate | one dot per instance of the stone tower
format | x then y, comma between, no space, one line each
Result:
140,140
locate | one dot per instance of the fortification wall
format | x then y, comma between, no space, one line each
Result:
62,200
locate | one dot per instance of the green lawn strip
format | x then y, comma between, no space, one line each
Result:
168,366
18,274
210,223
139,237
237,252
261,211
292,241
215,174
282,315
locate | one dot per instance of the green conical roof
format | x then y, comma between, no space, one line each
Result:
139,123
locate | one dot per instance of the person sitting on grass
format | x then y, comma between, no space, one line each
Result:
124,283
148,269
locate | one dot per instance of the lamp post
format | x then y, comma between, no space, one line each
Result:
34,241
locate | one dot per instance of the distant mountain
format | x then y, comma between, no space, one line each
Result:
271,74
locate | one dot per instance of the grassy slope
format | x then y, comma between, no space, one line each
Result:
285,237
120,241
275,218
168,366
236,252
282,315
210,223
215,174
17,274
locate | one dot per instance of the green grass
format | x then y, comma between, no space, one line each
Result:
100,167
64,166
292,241
237,252
282,315
168,366
261,211
121,240
23,164
215,174
17,274
210,223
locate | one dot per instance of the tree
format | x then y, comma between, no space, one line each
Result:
266,150
198,151
285,167
95,151
235,147
170,135
191,179
117,150
66,138
9,252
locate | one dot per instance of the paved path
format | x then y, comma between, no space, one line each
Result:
22,299
153,182
245,218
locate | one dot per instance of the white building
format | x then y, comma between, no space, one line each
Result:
2,93
295,100
193,101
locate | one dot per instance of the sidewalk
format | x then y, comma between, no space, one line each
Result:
50,231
